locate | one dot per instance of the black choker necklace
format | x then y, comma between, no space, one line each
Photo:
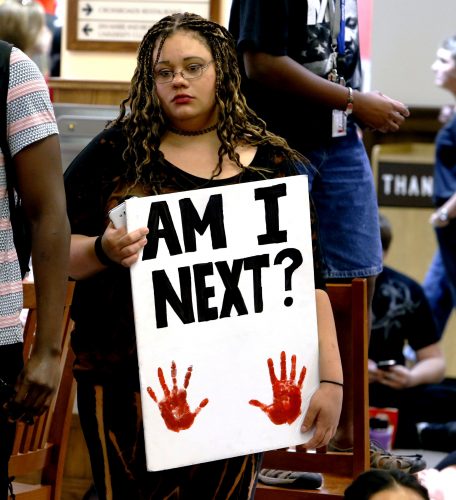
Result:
178,131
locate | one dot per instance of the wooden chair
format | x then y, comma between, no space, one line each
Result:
349,303
39,449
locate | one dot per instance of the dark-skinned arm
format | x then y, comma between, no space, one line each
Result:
40,185
373,109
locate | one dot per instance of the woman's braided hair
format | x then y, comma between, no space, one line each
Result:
145,124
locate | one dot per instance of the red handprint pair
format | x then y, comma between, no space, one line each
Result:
285,406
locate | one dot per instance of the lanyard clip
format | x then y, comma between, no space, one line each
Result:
333,75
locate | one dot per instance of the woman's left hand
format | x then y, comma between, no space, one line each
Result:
323,414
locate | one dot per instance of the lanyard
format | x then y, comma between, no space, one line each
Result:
336,12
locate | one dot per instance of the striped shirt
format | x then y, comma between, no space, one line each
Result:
30,118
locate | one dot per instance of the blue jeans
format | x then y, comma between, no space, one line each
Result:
438,292
342,187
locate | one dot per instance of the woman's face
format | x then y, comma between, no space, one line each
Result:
187,103
444,68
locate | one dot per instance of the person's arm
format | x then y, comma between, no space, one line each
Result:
40,186
117,245
442,216
428,369
373,109
326,403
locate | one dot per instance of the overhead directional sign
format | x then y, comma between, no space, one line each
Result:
121,21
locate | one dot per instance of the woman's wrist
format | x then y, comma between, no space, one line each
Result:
350,101
332,382
101,254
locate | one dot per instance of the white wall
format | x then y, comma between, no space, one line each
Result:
405,37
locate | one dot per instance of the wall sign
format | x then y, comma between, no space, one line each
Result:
120,25
404,174
405,185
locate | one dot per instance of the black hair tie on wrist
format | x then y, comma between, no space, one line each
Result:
340,384
100,253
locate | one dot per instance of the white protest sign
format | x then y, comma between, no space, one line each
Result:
225,318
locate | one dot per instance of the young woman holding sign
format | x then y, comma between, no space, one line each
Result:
188,127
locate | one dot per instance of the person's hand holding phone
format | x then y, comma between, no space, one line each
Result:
378,371
394,375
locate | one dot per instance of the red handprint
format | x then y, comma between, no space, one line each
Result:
174,407
286,404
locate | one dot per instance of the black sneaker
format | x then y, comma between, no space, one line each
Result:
289,479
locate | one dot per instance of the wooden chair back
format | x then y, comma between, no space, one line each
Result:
349,304
39,450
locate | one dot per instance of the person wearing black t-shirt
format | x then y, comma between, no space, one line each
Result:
401,317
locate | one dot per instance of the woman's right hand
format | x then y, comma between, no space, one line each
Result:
122,247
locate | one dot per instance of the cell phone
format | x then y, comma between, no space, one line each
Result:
118,216
386,364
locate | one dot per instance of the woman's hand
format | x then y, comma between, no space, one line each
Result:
123,247
323,414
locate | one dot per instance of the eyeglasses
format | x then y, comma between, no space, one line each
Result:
191,72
